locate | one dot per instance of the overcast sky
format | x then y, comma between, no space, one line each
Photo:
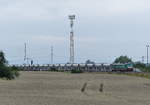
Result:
104,29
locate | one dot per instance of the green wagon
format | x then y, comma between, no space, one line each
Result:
127,67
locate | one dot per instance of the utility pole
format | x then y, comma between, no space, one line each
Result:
147,54
71,17
25,51
52,54
142,59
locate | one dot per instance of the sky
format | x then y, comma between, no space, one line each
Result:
104,29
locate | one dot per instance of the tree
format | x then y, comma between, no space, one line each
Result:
89,62
3,61
123,59
5,71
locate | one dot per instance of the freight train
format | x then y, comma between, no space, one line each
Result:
128,67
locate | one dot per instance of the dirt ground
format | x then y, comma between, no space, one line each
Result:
52,88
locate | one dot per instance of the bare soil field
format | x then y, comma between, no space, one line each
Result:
53,88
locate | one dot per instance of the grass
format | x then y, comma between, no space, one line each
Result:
57,88
143,75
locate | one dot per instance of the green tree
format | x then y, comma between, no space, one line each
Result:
89,62
123,59
5,71
3,61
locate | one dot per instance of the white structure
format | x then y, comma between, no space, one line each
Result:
52,54
71,17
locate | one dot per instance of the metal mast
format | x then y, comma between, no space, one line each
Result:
71,17
142,59
147,55
25,52
52,54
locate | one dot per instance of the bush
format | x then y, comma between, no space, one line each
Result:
15,68
8,73
76,71
53,69
139,65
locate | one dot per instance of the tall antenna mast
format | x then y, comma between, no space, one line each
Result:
25,52
71,17
52,54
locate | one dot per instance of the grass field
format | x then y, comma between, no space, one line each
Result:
53,88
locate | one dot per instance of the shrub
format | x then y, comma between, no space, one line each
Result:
139,65
76,71
53,69
8,73
15,68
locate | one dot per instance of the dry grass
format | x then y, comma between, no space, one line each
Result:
48,88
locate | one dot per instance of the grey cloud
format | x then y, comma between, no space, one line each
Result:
103,28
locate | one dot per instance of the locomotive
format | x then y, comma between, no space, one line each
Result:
120,67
